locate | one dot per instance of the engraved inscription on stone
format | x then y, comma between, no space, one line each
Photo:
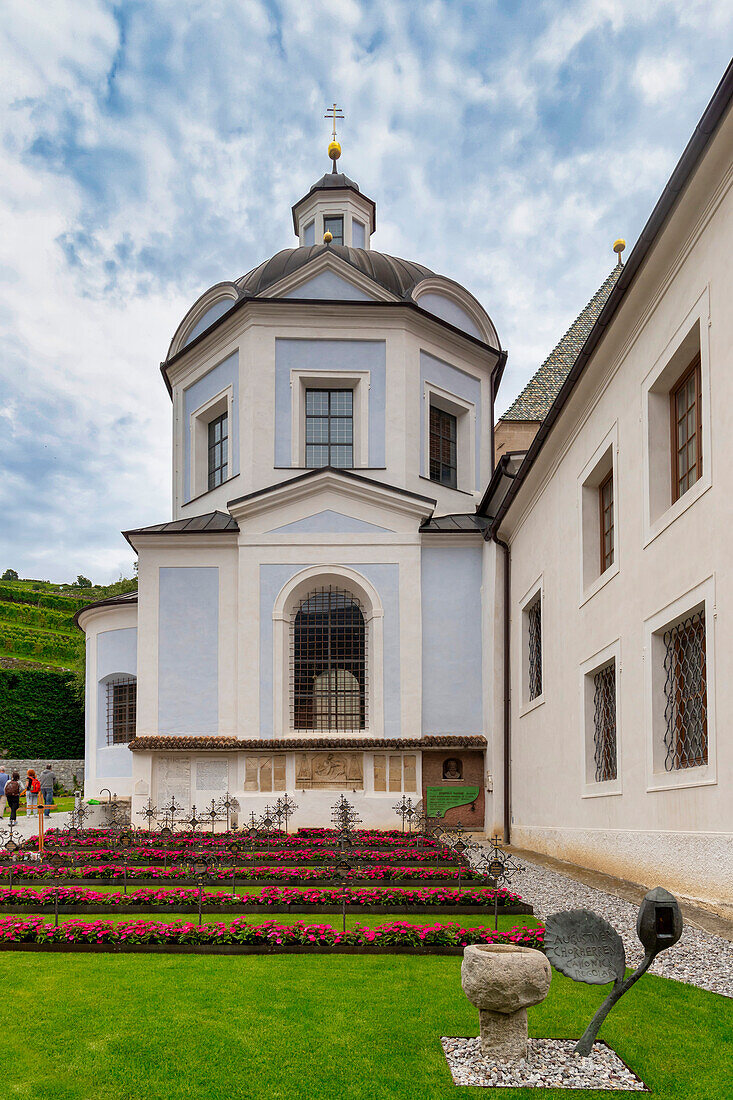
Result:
584,947
212,775
174,780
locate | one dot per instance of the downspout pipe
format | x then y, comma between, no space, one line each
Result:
507,732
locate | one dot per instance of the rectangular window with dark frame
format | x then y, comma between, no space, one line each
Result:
121,710
686,416
686,694
335,226
443,450
534,654
604,723
605,503
329,428
218,450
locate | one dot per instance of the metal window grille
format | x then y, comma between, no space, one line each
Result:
328,662
335,226
443,451
121,710
534,640
685,689
604,723
329,428
605,499
687,431
218,450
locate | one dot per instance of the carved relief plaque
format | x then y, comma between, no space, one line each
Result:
327,771
174,779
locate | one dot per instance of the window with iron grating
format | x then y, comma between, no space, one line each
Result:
685,690
534,635
121,709
604,723
328,662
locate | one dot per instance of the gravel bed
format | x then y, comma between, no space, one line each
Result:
699,958
550,1064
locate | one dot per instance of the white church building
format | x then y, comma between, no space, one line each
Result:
352,596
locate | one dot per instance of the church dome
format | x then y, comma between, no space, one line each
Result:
399,277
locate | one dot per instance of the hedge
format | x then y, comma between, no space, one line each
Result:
40,715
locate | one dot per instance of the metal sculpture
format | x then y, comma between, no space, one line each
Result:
497,866
586,948
284,810
228,805
213,814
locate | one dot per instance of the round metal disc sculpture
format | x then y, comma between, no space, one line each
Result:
586,948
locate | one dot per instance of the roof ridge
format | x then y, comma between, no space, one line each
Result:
534,400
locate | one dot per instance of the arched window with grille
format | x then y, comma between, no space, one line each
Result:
328,661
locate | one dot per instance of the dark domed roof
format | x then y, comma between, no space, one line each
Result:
398,276
334,179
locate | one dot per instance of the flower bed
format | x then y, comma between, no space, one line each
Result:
113,871
312,838
271,897
18,932
156,854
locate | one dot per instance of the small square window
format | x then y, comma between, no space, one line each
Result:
335,226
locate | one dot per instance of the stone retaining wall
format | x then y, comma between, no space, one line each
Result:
64,770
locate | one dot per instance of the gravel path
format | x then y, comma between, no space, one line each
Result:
550,1064
699,958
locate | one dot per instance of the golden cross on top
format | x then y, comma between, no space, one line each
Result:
333,113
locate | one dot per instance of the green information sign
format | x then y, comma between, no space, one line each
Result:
441,799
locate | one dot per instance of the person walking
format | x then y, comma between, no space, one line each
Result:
32,789
4,779
47,781
12,793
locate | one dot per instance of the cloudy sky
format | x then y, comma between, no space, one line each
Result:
150,149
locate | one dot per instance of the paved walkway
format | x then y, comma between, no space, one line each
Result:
700,958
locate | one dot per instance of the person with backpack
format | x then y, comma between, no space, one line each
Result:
12,793
47,781
32,790
4,778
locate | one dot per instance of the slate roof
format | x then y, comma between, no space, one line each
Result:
211,523
213,743
534,402
457,523
110,601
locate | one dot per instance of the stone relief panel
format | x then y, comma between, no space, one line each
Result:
264,773
329,771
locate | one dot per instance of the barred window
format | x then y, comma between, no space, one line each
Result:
534,639
328,662
329,428
443,449
218,450
687,431
604,723
121,709
685,689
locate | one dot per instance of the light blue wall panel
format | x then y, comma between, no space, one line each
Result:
385,579
217,310
451,640
116,656
357,234
330,355
215,382
447,310
454,381
330,522
309,234
330,285
188,650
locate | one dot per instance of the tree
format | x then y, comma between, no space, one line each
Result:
9,575
83,582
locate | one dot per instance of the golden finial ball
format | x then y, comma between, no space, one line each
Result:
619,246
327,237
334,150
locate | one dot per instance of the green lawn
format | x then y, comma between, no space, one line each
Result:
63,804
321,1028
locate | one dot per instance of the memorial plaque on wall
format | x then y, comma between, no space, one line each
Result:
174,779
212,775
584,947
440,799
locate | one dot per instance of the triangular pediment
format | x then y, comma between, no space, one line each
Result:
328,276
327,284
331,504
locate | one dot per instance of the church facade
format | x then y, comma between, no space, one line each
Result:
359,592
